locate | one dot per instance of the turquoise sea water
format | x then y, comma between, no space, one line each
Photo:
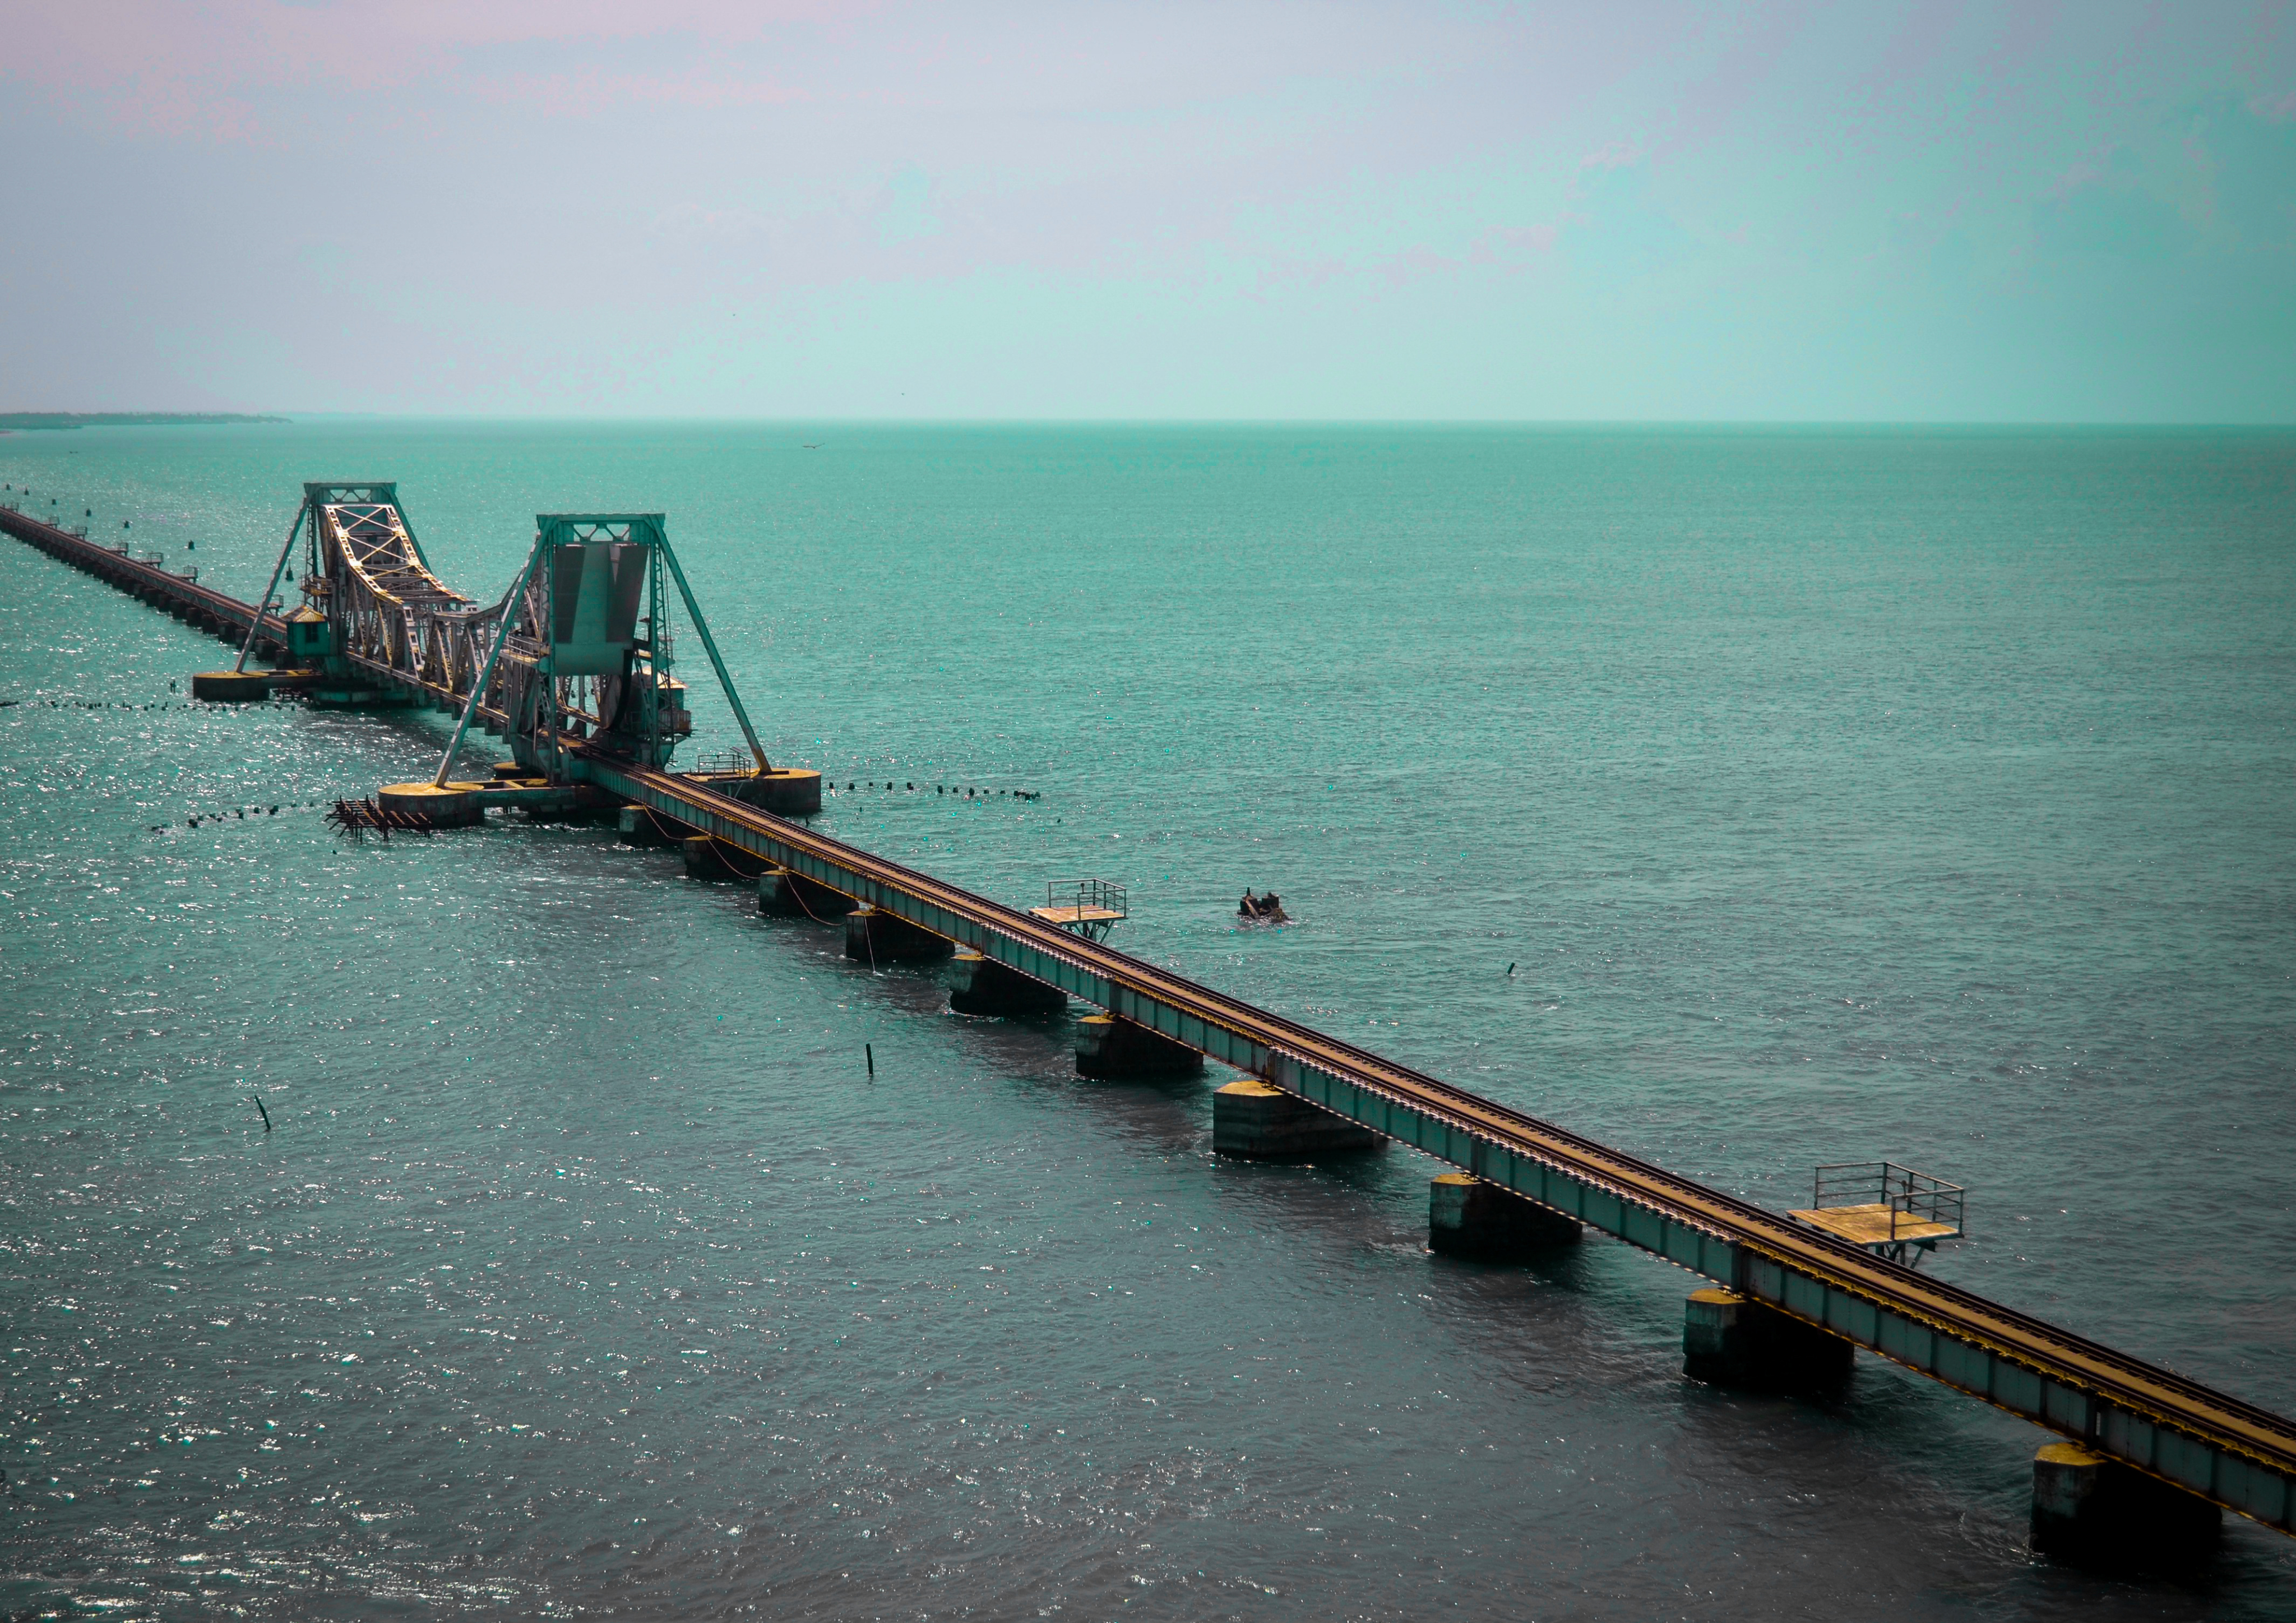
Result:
1836,795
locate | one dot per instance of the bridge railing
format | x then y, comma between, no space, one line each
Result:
1914,1196
1086,896
719,763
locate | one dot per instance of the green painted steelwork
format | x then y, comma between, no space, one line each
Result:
2232,1453
578,667
710,644
255,620
501,636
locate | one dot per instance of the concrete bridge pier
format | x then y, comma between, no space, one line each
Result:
236,687
709,858
455,806
2096,1512
774,894
642,825
780,891
880,938
983,986
1256,1119
1731,1341
1111,1049
1470,1218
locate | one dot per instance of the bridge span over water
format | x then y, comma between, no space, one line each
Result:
2119,1414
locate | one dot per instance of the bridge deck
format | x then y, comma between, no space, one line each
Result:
179,593
2236,1453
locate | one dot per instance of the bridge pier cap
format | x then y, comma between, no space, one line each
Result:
238,687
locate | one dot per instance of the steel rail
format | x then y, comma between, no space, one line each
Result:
434,692
127,573
125,570
1750,1234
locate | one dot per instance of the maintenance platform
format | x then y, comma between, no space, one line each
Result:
1891,1210
1088,907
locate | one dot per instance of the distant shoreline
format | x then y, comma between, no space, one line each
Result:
19,421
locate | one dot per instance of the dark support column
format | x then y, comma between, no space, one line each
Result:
982,985
1732,1342
1256,1118
2098,1512
1470,1218
707,857
878,938
780,891
642,825
774,892
1115,1050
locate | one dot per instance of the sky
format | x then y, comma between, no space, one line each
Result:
1890,210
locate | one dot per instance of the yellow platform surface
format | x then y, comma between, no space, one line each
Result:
1067,916
1870,1224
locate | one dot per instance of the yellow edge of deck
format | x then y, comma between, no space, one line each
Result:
1870,1224
1076,915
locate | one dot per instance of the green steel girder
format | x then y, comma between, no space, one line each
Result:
2034,1388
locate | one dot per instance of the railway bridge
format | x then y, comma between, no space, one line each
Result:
572,669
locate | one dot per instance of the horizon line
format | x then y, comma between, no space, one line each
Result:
278,415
